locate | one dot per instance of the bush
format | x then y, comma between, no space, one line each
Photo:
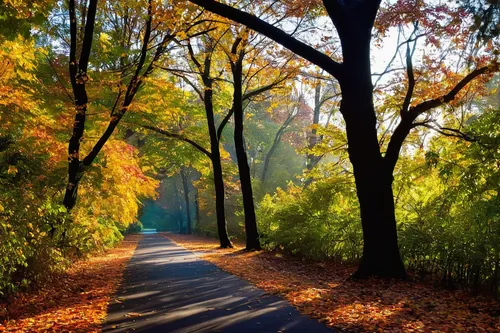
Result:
318,222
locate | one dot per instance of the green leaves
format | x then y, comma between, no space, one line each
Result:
431,159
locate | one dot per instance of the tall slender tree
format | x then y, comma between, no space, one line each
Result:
79,77
239,51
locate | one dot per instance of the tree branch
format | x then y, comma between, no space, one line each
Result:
178,137
307,52
260,90
59,79
407,119
88,36
132,88
434,103
450,132
193,57
411,79
224,123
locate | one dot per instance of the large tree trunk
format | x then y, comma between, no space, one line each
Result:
251,231
373,178
185,188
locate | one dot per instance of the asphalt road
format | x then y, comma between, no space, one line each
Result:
167,288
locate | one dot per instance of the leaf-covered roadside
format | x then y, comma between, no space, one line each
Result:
321,290
75,301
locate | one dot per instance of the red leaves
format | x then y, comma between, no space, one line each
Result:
322,291
75,301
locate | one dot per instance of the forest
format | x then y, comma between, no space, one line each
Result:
364,133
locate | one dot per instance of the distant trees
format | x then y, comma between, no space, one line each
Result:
293,108
250,74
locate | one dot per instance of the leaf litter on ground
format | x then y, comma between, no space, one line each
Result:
76,300
323,291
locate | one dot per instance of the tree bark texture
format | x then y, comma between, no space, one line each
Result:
251,231
216,163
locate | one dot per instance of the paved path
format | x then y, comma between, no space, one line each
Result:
169,289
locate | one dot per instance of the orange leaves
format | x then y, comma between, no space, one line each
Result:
295,8
433,18
322,291
75,301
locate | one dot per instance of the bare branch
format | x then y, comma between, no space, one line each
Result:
59,79
450,132
224,123
411,79
178,137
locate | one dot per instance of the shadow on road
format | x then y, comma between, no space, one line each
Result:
169,289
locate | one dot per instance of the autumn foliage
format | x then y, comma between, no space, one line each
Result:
362,134
75,301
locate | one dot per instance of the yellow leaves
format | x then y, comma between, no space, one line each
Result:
27,9
105,41
119,188
17,57
17,65
182,35
224,154
12,170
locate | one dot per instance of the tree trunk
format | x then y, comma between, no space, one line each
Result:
185,188
219,201
373,178
197,209
252,234
78,78
177,212
217,166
